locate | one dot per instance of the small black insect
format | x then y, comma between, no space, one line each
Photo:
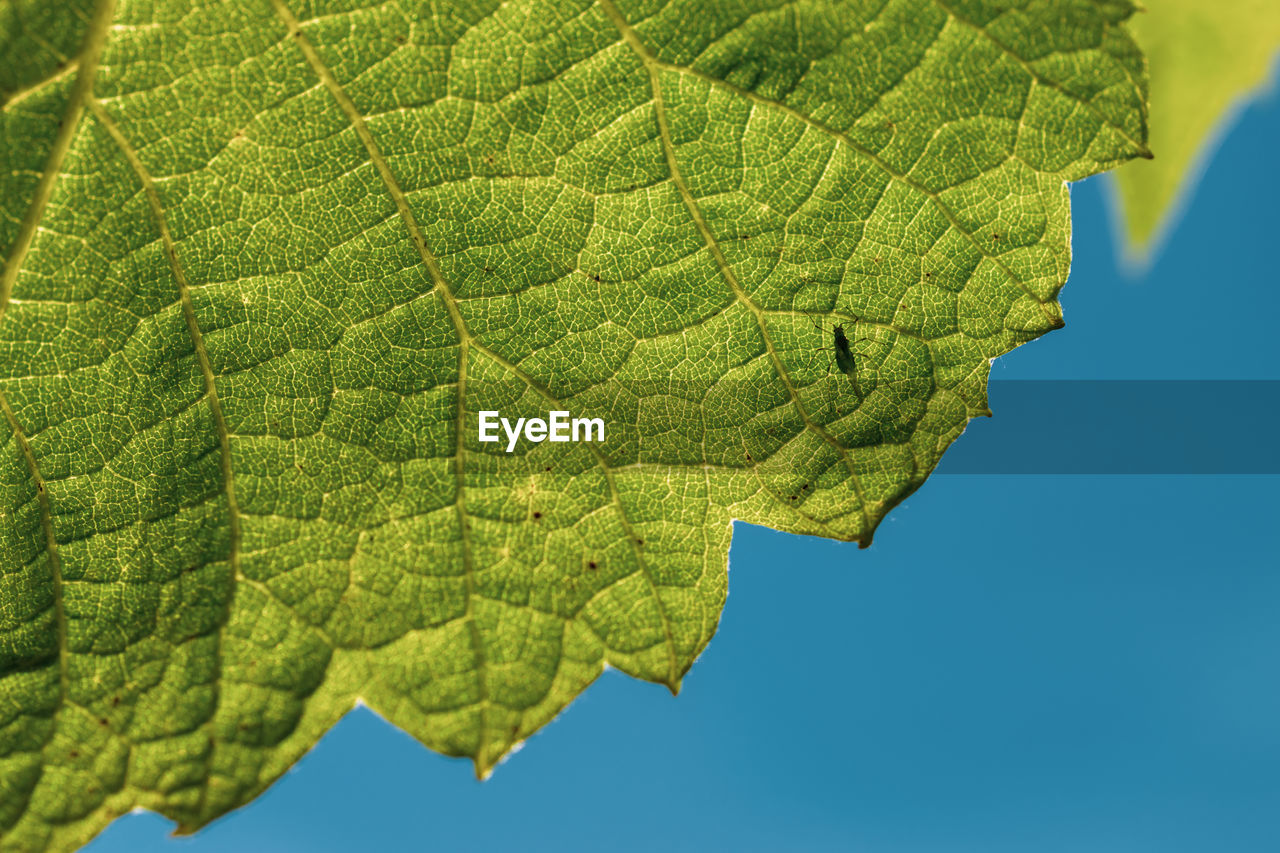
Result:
846,357
845,360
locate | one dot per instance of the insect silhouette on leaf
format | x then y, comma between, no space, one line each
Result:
846,357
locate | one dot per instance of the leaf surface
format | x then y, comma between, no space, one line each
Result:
267,262
1205,59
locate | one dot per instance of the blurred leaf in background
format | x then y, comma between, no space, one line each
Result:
1205,59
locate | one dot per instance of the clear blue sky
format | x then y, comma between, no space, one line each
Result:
1019,663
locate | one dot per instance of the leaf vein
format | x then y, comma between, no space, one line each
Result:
95,39
466,342
51,545
1036,76
211,395
652,66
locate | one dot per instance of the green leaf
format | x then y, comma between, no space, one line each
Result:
266,263
1205,59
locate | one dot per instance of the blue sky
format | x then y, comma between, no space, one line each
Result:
1047,663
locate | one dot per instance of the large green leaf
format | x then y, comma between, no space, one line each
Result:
267,261
1205,59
